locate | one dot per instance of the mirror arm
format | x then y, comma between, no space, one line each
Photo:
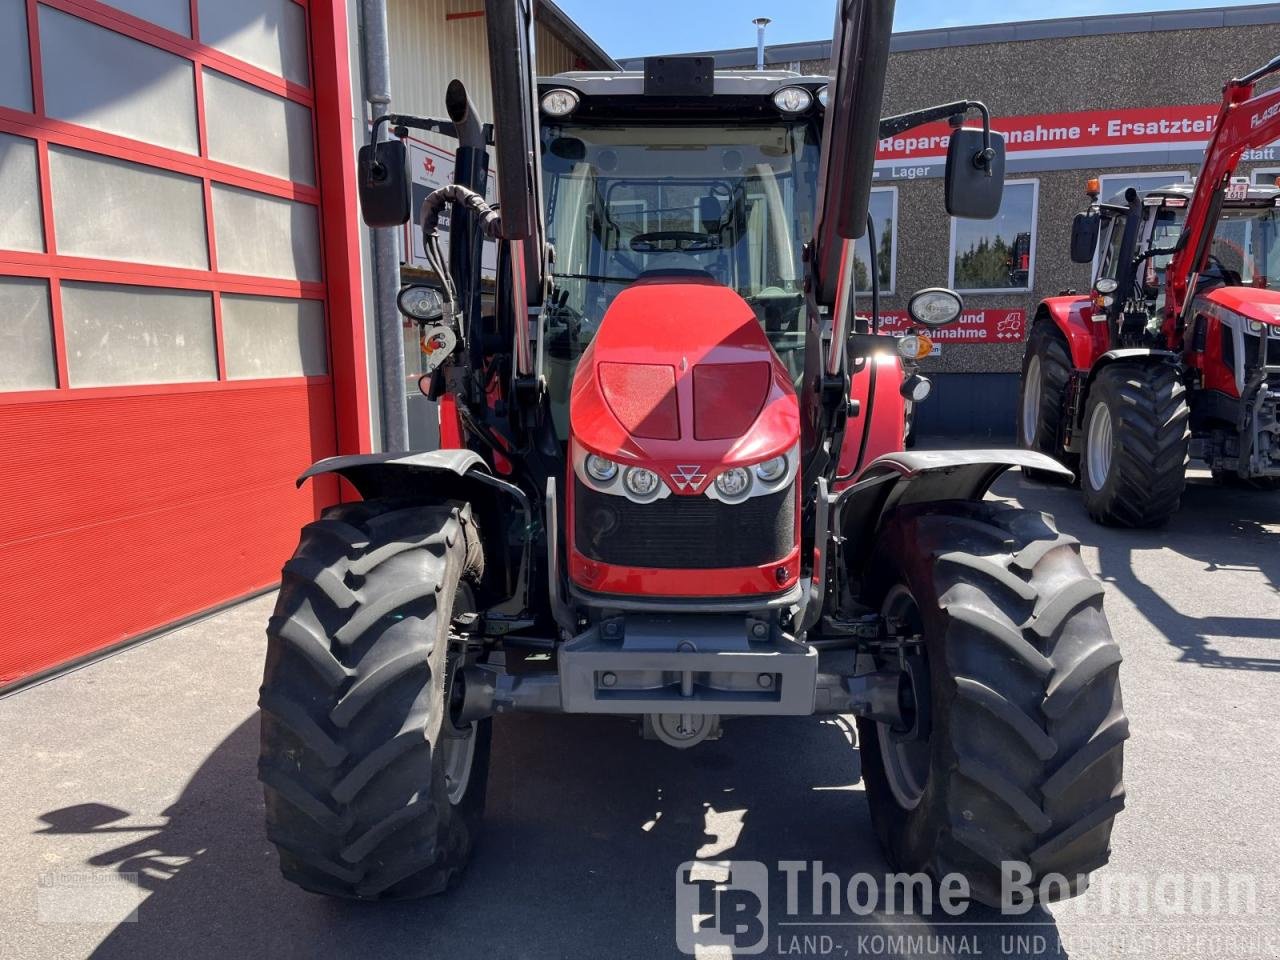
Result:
953,113
404,122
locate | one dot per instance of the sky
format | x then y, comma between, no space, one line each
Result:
638,27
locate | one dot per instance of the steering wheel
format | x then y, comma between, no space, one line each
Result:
681,240
1229,277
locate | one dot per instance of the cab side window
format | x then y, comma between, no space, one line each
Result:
1109,243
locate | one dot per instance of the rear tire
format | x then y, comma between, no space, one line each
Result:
1025,727
1136,440
358,746
1042,400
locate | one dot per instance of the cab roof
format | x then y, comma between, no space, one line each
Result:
736,94
1258,196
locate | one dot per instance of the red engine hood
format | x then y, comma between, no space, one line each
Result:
1255,303
681,377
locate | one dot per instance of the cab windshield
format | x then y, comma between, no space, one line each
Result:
1245,250
732,201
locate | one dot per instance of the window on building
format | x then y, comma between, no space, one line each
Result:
884,215
998,255
1267,176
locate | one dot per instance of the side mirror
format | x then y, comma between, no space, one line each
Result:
382,177
1084,236
974,179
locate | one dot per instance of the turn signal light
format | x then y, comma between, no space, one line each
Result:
914,346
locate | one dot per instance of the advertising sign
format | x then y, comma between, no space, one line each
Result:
1058,141
985,325
432,168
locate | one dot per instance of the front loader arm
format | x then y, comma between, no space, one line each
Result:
1244,121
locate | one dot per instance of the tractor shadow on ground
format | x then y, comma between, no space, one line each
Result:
586,828
1222,528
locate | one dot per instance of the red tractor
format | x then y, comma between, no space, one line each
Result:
672,491
1175,352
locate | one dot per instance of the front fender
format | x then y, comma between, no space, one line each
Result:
438,476
1123,355
399,474
1073,316
898,479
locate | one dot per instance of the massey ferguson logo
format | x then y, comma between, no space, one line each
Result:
688,476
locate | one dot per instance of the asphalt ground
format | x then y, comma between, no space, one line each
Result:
131,819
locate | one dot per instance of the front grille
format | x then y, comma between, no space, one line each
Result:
684,533
1254,345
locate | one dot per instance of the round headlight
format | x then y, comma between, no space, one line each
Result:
421,303
600,468
792,99
1106,285
733,483
559,103
935,306
916,389
823,96
641,482
772,470
1254,326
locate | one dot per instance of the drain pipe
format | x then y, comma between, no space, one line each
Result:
385,251
761,23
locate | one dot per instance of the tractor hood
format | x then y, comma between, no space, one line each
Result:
1254,303
680,378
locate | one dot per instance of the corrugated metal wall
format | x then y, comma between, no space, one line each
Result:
428,50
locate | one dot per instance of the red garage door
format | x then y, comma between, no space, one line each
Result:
169,354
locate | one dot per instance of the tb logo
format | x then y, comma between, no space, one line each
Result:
722,904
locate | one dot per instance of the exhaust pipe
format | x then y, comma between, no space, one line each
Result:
761,23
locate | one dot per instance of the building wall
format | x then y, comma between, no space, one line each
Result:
428,49
1049,76
975,385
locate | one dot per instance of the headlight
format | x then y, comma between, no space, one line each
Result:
734,483
935,306
641,483
916,389
600,468
772,470
559,103
1254,326
823,96
421,303
792,99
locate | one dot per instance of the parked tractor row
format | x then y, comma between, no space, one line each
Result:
1175,352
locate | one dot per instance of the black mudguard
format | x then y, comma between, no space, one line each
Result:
897,479
440,476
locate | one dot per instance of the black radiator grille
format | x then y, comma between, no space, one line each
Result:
684,533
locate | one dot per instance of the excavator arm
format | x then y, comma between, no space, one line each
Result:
1244,121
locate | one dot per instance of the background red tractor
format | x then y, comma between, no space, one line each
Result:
1175,352
669,490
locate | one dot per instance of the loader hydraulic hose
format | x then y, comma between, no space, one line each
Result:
488,222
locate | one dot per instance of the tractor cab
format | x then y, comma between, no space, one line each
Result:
1138,235
641,185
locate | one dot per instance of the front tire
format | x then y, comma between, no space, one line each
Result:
1042,400
1136,443
372,791
1019,752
